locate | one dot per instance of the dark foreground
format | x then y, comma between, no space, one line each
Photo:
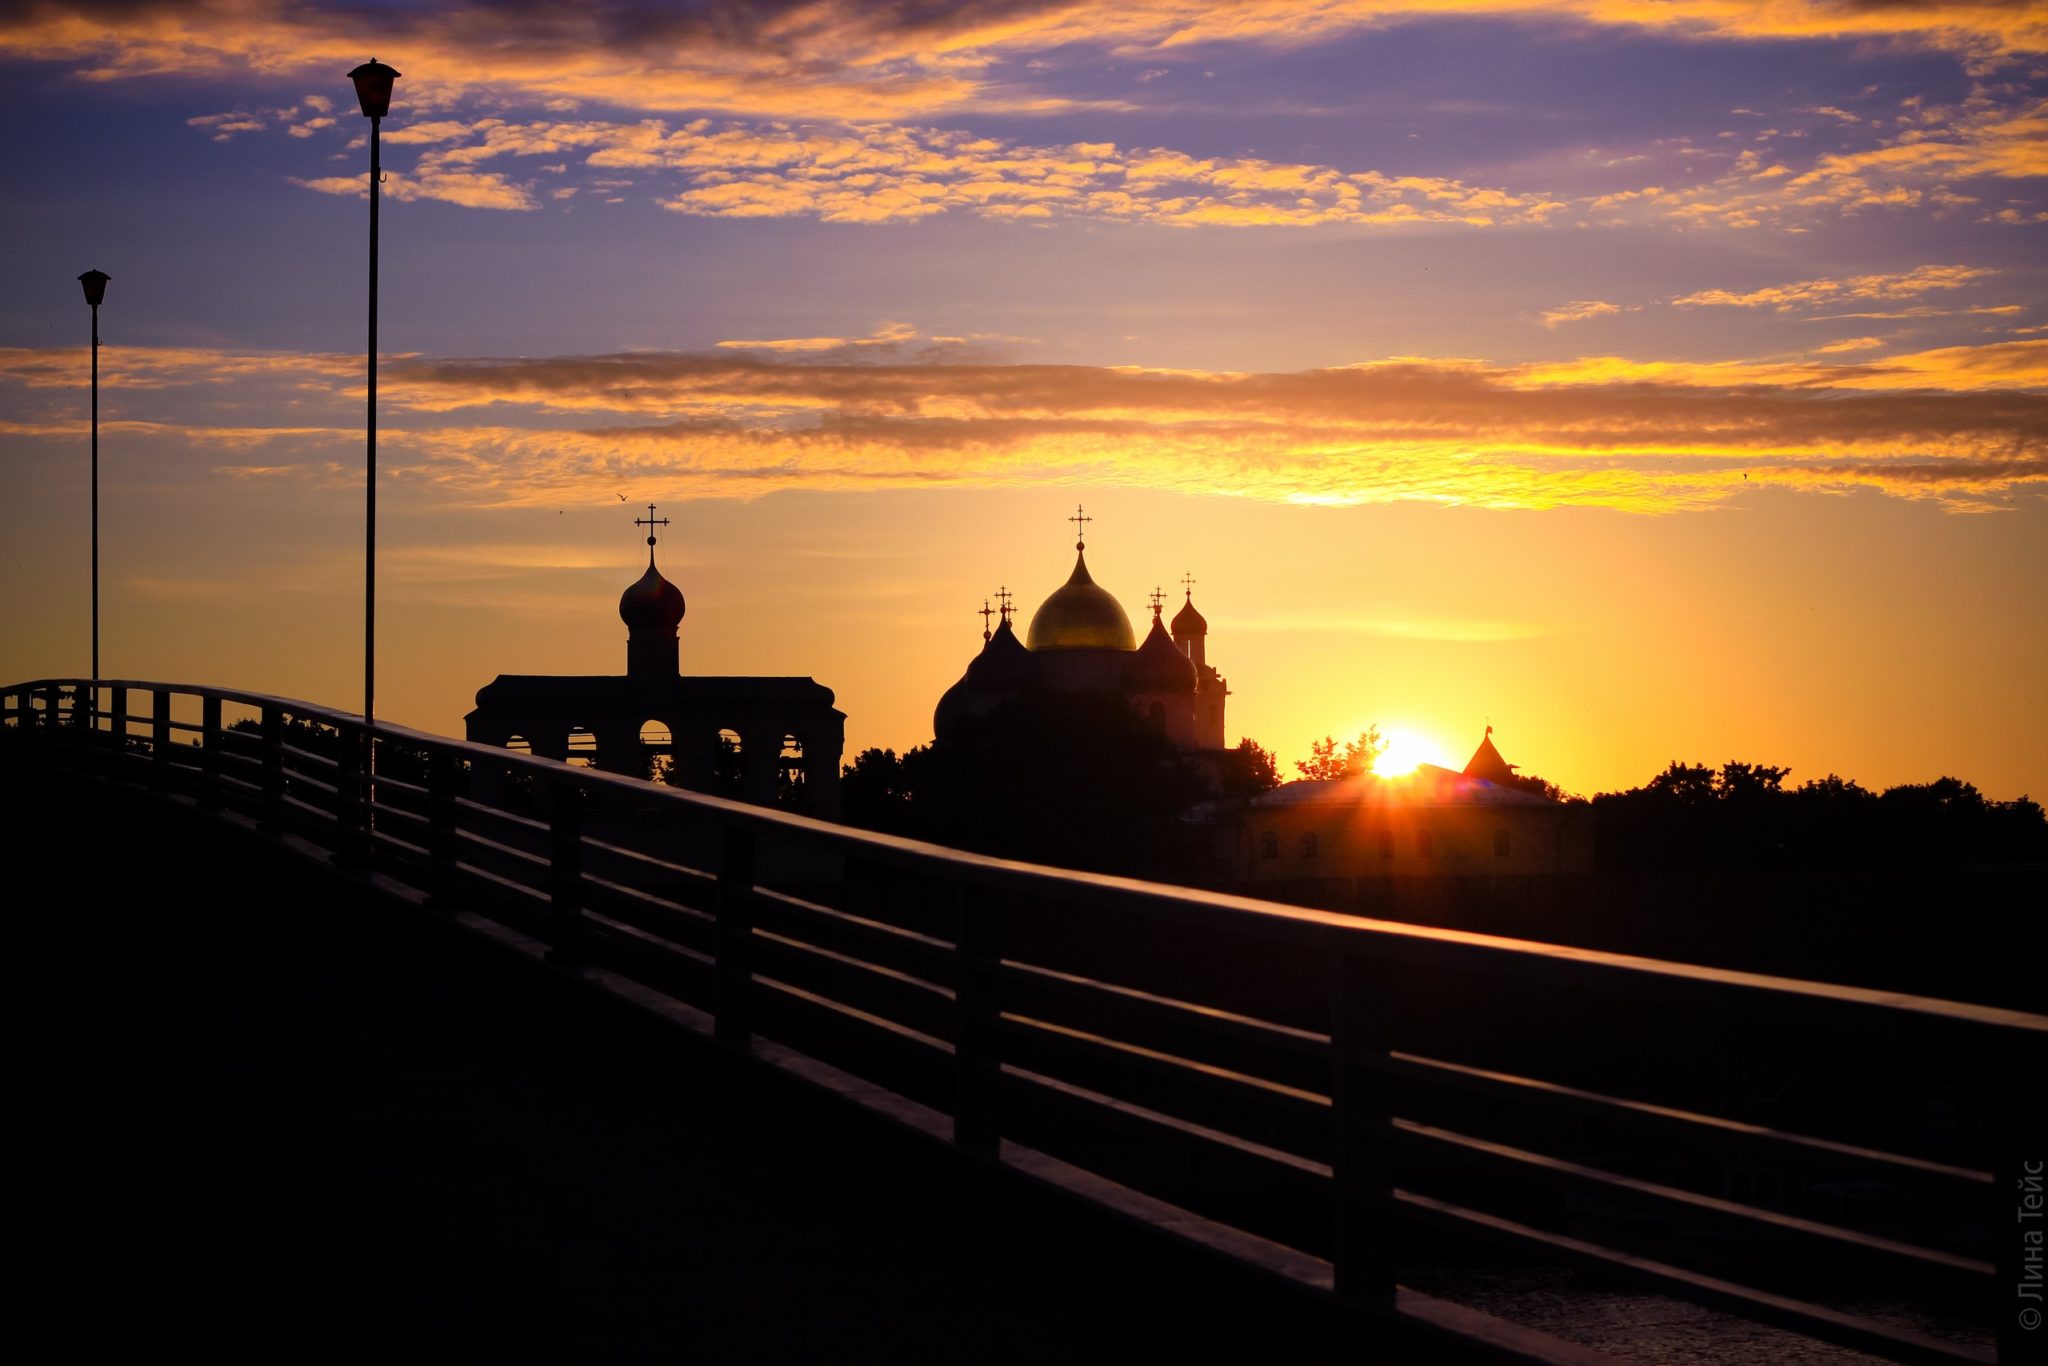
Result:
282,1122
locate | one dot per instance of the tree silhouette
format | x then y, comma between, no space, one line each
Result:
1325,764
1248,770
1742,815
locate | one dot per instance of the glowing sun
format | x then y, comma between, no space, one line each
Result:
1405,749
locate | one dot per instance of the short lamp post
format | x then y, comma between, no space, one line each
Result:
373,82
95,284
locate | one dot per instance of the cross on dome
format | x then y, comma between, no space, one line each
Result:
1187,583
986,613
1003,598
650,521
1158,600
1080,519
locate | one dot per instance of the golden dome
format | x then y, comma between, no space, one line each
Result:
1080,615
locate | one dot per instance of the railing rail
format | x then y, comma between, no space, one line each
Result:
1122,1027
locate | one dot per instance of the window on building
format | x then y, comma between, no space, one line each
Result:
1269,845
728,764
789,773
582,747
518,745
657,751
1308,844
1500,844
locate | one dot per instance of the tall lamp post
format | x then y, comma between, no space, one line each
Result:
95,283
373,82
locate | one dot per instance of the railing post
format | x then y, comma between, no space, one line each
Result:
977,1016
1362,1148
444,772
160,739
349,833
734,1021
117,735
273,770
209,754
565,871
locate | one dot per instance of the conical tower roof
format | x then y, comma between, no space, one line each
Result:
1158,665
1486,763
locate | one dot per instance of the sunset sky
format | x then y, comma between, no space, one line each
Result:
1650,380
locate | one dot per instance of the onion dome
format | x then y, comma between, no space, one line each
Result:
652,605
1001,669
1159,666
1003,662
1080,615
1187,621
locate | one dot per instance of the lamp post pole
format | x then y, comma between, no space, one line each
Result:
373,82
95,284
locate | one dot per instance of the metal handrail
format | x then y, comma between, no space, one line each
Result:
980,900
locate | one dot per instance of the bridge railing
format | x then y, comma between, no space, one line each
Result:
1346,1101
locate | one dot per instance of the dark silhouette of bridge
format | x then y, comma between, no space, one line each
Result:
494,1055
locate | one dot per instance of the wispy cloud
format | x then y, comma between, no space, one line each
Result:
1800,294
1578,311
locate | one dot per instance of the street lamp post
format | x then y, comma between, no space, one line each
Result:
95,283
373,82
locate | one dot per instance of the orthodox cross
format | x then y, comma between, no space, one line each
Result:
1003,596
1158,601
1187,582
650,521
1080,520
986,613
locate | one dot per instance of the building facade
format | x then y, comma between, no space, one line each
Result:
1434,822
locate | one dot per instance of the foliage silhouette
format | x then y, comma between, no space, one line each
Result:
1326,764
1742,815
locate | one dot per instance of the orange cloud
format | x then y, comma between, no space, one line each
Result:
1967,426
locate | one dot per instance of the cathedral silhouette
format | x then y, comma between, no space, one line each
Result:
1080,641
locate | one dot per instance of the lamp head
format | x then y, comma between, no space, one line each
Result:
373,87
95,282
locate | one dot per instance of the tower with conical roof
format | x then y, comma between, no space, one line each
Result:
1486,762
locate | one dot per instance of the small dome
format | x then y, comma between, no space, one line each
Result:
653,604
1188,622
1002,661
1080,615
1159,666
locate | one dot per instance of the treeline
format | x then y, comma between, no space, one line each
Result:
1079,782
1744,816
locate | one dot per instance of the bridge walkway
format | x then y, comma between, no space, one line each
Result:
262,1116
